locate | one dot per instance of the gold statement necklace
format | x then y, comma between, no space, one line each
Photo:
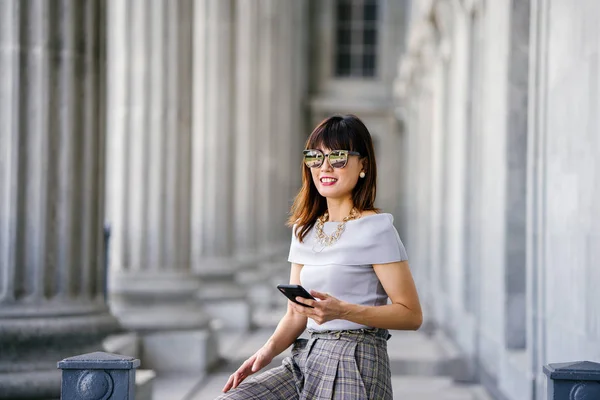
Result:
327,240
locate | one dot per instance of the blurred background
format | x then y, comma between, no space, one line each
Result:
150,151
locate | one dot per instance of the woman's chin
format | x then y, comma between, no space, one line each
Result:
331,193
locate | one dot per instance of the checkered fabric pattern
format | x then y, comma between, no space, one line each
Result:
341,365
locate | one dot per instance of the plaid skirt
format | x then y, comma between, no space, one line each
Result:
350,365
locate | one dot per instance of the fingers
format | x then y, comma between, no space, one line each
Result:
296,307
308,302
317,314
319,295
234,380
238,376
229,384
302,310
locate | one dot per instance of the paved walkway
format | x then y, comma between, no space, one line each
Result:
418,363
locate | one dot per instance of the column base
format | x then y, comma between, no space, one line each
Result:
173,325
176,317
151,302
222,296
41,385
191,351
31,346
227,303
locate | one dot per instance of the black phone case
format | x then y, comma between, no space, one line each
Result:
293,291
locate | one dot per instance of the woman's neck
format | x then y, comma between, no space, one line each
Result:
339,209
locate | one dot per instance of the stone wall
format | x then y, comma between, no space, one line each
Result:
497,100
564,151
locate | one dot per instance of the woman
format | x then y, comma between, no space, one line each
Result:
351,258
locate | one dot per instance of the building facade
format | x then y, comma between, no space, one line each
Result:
354,50
180,125
499,103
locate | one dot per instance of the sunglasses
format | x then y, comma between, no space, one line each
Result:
336,158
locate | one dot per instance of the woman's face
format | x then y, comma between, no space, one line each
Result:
335,183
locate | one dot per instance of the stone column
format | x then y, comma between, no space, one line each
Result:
248,145
281,60
278,135
153,290
289,131
266,165
281,129
52,303
215,154
538,275
269,138
300,129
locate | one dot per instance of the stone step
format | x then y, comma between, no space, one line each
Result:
268,317
415,353
144,384
480,393
177,386
211,387
429,388
127,344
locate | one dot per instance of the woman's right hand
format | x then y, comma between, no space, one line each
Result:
253,364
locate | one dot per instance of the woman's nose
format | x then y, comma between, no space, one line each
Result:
326,166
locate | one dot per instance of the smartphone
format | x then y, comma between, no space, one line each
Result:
293,291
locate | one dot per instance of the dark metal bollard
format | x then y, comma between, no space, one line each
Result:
573,381
98,376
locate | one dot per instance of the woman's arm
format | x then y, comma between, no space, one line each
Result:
405,311
289,328
403,314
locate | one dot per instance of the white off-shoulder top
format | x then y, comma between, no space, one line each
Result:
345,269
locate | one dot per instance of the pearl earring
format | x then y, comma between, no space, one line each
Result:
362,174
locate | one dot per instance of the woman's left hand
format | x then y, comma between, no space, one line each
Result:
325,309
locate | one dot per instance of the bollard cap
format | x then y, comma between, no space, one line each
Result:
99,360
574,371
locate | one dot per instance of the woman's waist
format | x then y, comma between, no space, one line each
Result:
358,335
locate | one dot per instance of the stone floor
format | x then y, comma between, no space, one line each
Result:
420,368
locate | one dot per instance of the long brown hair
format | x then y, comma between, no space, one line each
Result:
338,132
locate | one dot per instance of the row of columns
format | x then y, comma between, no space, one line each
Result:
439,84
468,158
200,114
204,110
